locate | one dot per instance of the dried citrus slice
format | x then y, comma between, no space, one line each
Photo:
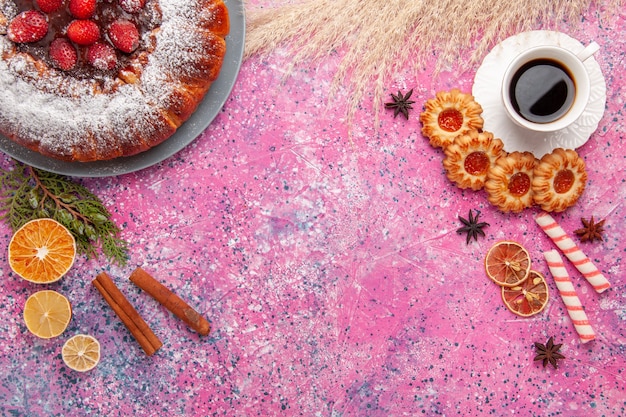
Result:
42,251
507,263
527,298
47,313
81,352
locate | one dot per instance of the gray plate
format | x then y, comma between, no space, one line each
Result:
197,123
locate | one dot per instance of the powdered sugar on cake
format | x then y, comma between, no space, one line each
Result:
76,118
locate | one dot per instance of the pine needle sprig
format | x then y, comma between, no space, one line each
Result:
29,193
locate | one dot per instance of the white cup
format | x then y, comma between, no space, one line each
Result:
547,88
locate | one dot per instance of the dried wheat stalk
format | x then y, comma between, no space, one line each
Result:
378,35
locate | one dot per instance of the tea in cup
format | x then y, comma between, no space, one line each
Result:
547,88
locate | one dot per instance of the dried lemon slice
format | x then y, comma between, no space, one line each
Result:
47,313
81,353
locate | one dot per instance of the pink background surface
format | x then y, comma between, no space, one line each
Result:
327,259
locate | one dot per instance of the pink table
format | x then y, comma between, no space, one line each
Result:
331,271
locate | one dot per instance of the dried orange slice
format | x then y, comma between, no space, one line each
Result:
81,352
507,263
42,251
47,313
527,298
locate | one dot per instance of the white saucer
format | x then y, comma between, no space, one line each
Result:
486,91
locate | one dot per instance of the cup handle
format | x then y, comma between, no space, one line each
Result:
588,52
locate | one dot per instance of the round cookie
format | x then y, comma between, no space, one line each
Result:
509,182
559,180
470,156
448,115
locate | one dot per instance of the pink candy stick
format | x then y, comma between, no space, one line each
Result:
569,296
573,252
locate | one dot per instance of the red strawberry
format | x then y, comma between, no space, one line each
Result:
82,9
28,26
49,6
63,54
83,32
124,35
102,56
132,6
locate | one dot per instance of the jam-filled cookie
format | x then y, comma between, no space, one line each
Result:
559,180
448,115
509,182
469,157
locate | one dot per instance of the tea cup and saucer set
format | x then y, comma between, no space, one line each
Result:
541,90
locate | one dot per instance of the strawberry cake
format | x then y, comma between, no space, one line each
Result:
90,80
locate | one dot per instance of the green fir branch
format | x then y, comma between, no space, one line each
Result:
29,193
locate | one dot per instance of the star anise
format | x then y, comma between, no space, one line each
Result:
472,227
401,104
591,230
548,353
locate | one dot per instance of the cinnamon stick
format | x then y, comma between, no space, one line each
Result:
171,301
148,341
